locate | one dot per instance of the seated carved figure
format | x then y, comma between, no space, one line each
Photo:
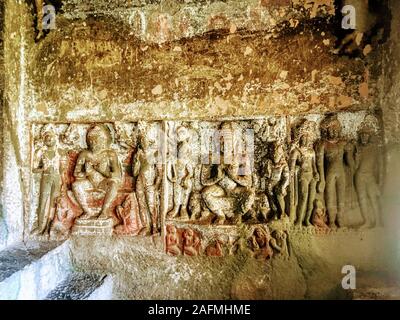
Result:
98,175
172,241
226,193
191,243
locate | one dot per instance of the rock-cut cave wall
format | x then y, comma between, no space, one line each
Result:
110,119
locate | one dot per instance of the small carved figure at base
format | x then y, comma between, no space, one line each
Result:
215,248
127,214
279,243
319,216
172,241
259,243
191,243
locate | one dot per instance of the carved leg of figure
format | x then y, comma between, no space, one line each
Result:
363,200
111,194
303,197
292,213
151,198
79,189
341,199
331,201
272,201
311,197
177,201
185,202
144,214
375,203
282,205
213,198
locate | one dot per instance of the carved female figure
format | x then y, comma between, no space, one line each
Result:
180,173
307,176
277,175
47,162
148,182
332,155
98,175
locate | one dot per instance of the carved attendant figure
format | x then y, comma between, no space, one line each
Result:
98,175
307,177
332,156
149,175
277,174
180,174
47,162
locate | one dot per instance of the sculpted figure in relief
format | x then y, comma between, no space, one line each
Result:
47,162
98,175
303,166
333,154
148,175
368,176
276,172
229,190
180,173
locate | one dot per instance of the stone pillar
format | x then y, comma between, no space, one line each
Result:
17,34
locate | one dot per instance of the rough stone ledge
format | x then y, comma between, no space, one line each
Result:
30,272
81,286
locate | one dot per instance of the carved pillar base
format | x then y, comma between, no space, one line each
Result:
87,227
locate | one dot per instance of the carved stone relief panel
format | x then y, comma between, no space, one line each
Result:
211,188
95,179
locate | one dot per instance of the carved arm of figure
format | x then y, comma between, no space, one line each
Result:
275,245
349,155
38,161
189,175
158,181
243,180
284,180
380,167
314,166
79,171
171,172
136,166
115,168
207,177
320,165
293,158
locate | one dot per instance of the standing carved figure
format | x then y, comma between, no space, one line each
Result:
148,183
47,162
303,157
368,176
98,175
332,156
180,173
277,174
